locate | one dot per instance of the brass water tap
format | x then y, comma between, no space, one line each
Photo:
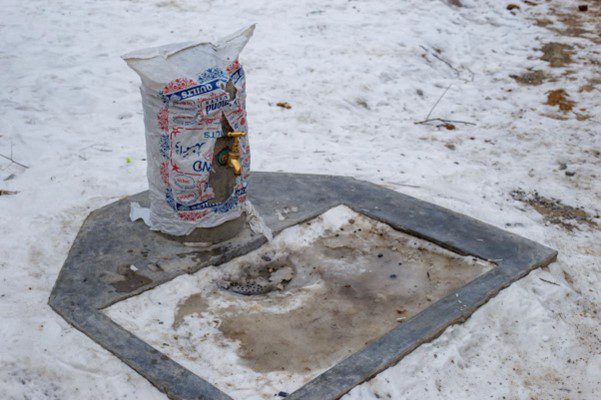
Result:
233,156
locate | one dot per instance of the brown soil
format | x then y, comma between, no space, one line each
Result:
557,54
456,3
532,78
580,24
575,23
543,22
554,211
590,85
559,98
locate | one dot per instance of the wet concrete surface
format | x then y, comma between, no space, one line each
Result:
196,359
304,310
130,280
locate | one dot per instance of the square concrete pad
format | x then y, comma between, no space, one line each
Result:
272,320
98,274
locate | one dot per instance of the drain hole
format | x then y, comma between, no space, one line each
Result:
259,279
249,289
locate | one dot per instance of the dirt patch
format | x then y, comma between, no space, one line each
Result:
559,98
590,85
572,22
307,309
130,281
531,78
191,305
554,211
456,3
543,22
594,153
557,54
578,24
582,117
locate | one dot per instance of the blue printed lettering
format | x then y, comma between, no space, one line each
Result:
201,166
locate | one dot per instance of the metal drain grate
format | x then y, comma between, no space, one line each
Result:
261,278
249,288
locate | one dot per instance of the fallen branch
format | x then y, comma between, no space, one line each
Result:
13,161
433,53
552,283
438,101
443,120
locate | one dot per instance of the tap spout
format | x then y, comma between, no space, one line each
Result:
233,156
234,164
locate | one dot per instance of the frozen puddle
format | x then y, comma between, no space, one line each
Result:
274,319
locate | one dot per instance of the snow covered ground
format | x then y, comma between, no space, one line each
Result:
357,75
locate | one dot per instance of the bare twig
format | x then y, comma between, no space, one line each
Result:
438,101
444,121
472,75
458,71
552,283
13,161
8,178
441,59
95,148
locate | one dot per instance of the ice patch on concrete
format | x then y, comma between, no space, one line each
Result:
274,319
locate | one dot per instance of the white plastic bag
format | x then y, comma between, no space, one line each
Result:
187,90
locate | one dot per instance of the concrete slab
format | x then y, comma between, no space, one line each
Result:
272,320
98,273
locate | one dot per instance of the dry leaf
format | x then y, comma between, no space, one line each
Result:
283,104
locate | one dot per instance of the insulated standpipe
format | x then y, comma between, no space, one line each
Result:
194,100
